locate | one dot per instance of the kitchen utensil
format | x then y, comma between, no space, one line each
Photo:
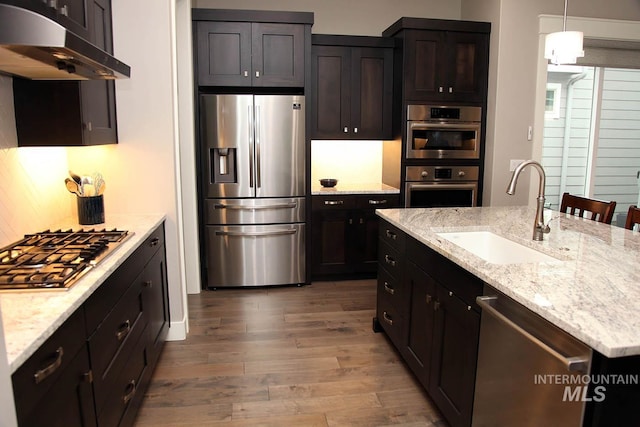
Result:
328,182
72,186
98,183
75,177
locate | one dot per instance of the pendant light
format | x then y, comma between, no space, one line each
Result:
564,47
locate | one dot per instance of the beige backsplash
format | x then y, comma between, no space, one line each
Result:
32,191
353,162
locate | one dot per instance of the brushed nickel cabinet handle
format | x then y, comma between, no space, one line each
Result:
391,235
130,391
43,373
428,299
123,330
64,10
378,202
390,261
334,202
387,319
389,288
436,305
148,283
154,242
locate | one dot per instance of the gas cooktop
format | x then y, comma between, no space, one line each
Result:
55,259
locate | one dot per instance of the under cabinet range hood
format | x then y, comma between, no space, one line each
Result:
35,47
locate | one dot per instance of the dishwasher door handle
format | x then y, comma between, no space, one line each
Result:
572,363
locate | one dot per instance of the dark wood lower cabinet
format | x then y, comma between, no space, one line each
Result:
345,235
439,321
94,370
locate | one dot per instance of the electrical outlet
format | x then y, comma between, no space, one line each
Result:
513,164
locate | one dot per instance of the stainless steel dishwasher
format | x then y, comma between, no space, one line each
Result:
530,372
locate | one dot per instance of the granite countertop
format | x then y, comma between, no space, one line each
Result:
346,188
29,318
592,291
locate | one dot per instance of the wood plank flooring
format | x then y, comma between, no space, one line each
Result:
286,356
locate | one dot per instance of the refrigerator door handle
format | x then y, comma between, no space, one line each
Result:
255,233
255,208
258,130
251,153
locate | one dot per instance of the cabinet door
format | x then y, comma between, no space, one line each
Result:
422,289
454,355
422,51
98,97
365,241
371,93
330,76
77,16
70,400
223,53
466,73
277,54
329,241
156,302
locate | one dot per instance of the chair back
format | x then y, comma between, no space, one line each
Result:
633,217
598,210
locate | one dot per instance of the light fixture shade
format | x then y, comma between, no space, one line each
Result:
563,47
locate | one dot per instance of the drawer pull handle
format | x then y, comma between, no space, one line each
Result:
390,261
334,202
148,283
389,288
391,235
387,319
123,330
43,373
130,391
428,299
154,242
436,306
378,202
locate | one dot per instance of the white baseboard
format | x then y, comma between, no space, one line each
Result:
177,330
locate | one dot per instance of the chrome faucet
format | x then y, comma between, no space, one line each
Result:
539,227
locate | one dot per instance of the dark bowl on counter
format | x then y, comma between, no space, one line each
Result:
328,182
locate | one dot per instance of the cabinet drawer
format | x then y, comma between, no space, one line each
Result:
41,371
378,201
332,202
391,290
107,295
389,259
119,330
392,236
126,385
391,321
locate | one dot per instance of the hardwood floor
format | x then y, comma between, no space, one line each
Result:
288,356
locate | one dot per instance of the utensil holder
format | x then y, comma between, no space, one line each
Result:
90,210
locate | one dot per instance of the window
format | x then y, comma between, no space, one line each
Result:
552,101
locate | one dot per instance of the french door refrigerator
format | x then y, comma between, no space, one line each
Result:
253,153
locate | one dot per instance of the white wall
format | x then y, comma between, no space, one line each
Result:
514,84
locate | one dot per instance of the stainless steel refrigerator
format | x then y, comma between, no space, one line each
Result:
253,154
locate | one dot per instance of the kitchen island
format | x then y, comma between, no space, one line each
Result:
592,291
581,283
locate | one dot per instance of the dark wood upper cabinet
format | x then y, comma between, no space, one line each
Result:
442,60
352,87
244,54
70,113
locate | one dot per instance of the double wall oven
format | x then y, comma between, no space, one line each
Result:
442,156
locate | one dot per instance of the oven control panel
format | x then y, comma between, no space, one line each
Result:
441,173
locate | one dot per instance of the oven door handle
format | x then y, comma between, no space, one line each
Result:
442,186
440,125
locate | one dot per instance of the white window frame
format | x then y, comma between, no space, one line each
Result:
554,112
